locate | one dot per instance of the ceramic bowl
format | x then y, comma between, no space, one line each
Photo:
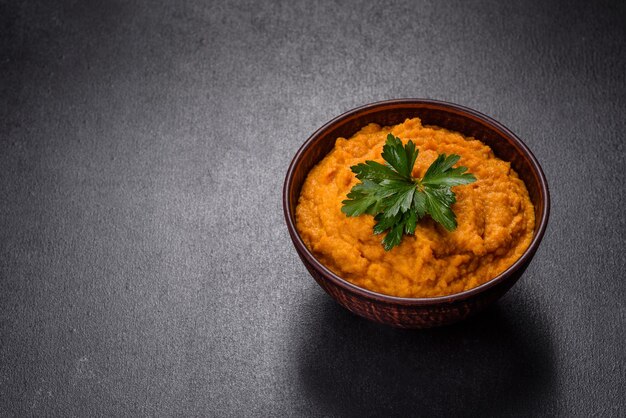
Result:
417,312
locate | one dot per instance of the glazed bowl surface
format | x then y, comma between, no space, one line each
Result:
417,312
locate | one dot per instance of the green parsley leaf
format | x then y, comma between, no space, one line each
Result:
383,223
419,204
440,173
438,204
393,237
401,199
410,223
401,159
366,197
371,170
396,199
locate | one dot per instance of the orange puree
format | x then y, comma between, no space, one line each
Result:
495,218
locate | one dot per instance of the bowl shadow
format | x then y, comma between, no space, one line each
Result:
499,362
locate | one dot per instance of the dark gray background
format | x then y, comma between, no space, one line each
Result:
145,268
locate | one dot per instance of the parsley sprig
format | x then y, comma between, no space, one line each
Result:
396,199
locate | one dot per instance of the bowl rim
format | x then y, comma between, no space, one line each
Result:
380,297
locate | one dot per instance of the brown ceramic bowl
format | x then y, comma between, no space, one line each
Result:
417,312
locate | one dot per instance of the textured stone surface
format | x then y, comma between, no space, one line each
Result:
145,269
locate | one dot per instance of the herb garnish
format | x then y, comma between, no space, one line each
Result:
396,199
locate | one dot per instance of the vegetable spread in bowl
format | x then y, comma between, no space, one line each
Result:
437,241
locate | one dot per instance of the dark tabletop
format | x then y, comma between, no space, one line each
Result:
145,267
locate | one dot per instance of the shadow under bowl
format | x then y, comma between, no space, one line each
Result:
417,312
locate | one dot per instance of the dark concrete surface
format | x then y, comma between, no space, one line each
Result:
145,269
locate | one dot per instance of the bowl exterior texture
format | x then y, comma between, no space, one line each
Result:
424,312
409,315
